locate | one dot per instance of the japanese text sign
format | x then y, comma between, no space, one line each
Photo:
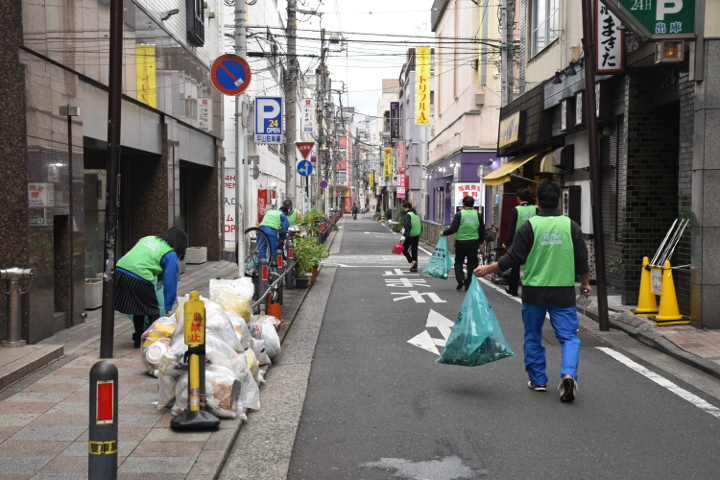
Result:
468,189
268,119
308,115
663,17
388,170
609,40
422,85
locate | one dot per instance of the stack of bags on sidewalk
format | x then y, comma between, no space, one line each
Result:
237,344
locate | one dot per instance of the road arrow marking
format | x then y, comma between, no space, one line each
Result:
425,341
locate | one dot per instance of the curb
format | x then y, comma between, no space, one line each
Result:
658,342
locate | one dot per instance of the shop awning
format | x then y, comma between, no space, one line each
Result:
502,173
339,187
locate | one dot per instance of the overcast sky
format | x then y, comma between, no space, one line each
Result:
364,64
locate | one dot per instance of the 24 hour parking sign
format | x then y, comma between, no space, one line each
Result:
268,120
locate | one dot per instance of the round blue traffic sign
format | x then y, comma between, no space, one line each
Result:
230,74
304,168
323,184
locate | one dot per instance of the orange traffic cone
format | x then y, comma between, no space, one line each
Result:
273,309
669,312
647,305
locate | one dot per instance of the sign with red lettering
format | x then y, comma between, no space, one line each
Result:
305,148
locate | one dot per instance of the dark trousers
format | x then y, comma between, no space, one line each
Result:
139,324
514,280
462,252
411,248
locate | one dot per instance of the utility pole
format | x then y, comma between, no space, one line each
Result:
320,89
291,80
595,192
507,50
112,198
242,202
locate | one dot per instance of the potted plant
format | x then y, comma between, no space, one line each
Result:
308,255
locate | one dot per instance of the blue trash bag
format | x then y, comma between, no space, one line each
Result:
440,262
160,294
476,337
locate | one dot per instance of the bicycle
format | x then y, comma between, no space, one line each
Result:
488,254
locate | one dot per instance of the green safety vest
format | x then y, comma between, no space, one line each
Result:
416,224
292,218
551,262
144,258
469,225
525,213
272,219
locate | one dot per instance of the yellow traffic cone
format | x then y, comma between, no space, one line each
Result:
647,305
669,311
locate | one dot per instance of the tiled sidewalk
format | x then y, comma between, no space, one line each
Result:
703,343
44,417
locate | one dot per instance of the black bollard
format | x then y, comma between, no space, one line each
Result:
263,280
289,278
103,433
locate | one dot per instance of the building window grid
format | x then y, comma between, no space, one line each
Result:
543,24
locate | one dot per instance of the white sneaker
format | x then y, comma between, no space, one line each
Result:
568,388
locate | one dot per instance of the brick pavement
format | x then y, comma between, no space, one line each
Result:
44,417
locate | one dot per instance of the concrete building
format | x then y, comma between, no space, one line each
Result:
54,55
466,105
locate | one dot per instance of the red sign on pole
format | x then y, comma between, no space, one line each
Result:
305,148
262,203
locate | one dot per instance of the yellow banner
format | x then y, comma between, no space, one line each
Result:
145,71
422,85
371,180
389,162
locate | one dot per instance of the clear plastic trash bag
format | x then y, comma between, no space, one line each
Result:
476,337
440,262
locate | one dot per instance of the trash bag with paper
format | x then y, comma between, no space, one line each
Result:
440,262
476,337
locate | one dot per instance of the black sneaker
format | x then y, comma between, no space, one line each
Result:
537,388
460,286
568,388
512,294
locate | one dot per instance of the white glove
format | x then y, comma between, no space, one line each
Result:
402,239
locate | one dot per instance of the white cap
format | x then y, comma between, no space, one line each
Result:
155,352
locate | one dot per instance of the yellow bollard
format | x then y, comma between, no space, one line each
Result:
669,311
647,305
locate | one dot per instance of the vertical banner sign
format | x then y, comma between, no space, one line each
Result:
422,85
229,208
371,180
308,115
394,121
402,182
401,157
609,40
262,203
204,114
145,72
388,162
268,120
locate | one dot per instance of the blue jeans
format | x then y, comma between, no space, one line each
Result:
272,236
565,323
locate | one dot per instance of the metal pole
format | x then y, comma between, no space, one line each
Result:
291,100
112,199
595,191
241,164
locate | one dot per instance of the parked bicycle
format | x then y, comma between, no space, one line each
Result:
488,253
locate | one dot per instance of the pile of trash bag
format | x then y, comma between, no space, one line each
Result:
237,347
476,337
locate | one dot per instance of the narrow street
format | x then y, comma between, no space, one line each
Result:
379,407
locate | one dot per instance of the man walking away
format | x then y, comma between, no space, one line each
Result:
411,235
354,211
553,250
520,214
469,228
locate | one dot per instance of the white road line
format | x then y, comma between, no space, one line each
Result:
663,382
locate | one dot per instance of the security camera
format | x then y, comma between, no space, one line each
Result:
165,15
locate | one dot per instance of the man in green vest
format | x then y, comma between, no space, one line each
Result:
411,235
469,228
553,250
272,223
290,212
520,214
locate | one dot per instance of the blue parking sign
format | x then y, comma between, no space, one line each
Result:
268,119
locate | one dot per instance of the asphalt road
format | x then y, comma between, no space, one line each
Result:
378,407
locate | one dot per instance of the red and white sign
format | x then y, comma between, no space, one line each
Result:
476,190
401,185
41,194
609,40
262,204
308,115
305,148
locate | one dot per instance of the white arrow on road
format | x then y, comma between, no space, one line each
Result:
425,341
